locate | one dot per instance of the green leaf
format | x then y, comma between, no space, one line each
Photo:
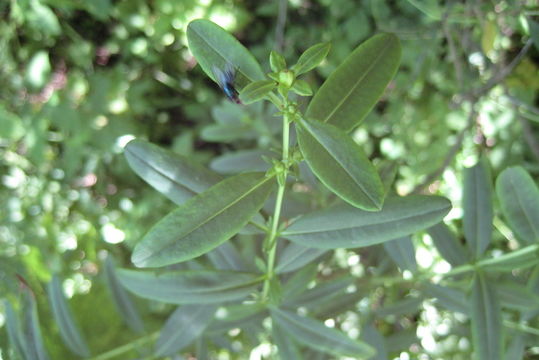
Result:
372,336
311,58
237,316
402,252
299,281
302,88
430,8
343,226
182,328
406,306
451,299
321,294
486,320
353,89
448,245
226,257
341,164
14,330
189,287
519,200
256,91
64,318
515,296
286,348
277,61
477,204
121,299
534,31
295,256
203,222
316,335
241,161
213,47
34,347
517,259
175,176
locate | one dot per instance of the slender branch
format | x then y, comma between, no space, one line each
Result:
457,64
279,28
521,327
127,347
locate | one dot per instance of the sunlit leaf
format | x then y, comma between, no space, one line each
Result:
486,320
189,287
213,47
477,204
353,89
519,200
257,90
311,58
340,164
183,327
203,222
64,318
121,299
316,335
277,61
343,226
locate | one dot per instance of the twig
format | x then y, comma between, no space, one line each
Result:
279,28
457,64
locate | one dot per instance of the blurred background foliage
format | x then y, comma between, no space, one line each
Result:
81,78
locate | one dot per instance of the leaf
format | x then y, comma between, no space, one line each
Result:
340,164
448,245
203,222
189,287
14,330
173,175
311,58
372,336
343,226
121,299
402,252
519,200
451,299
237,316
430,8
295,256
486,320
406,306
534,31
213,47
299,281
353,89
517,259
286,348
64,318
321,294
240,161
316,335
226,257
477,204
34,347
515,296
277,61
302,88
185,324
256,91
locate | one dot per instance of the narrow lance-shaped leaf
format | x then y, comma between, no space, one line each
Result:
340,164
402,252
516,296
122,299
173,175
477,203
212,46
14,330
226,257
311,58
451,299
353,89
182,328
343,226
35,349
277,61
486,320
519,200
295,256
190,287
64,318
448,245
517,259
256,91
372,336
316,335
204,222
286,348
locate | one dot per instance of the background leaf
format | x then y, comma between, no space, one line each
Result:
519,200
340,164
343,226
351,91
189,287
295,256
204,222
477,204
402,252
317,336
64,318
448,245
213,46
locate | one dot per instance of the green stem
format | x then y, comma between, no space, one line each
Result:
521,327
272,238
127,347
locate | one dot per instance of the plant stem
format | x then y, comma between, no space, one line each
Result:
127,347
272,238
